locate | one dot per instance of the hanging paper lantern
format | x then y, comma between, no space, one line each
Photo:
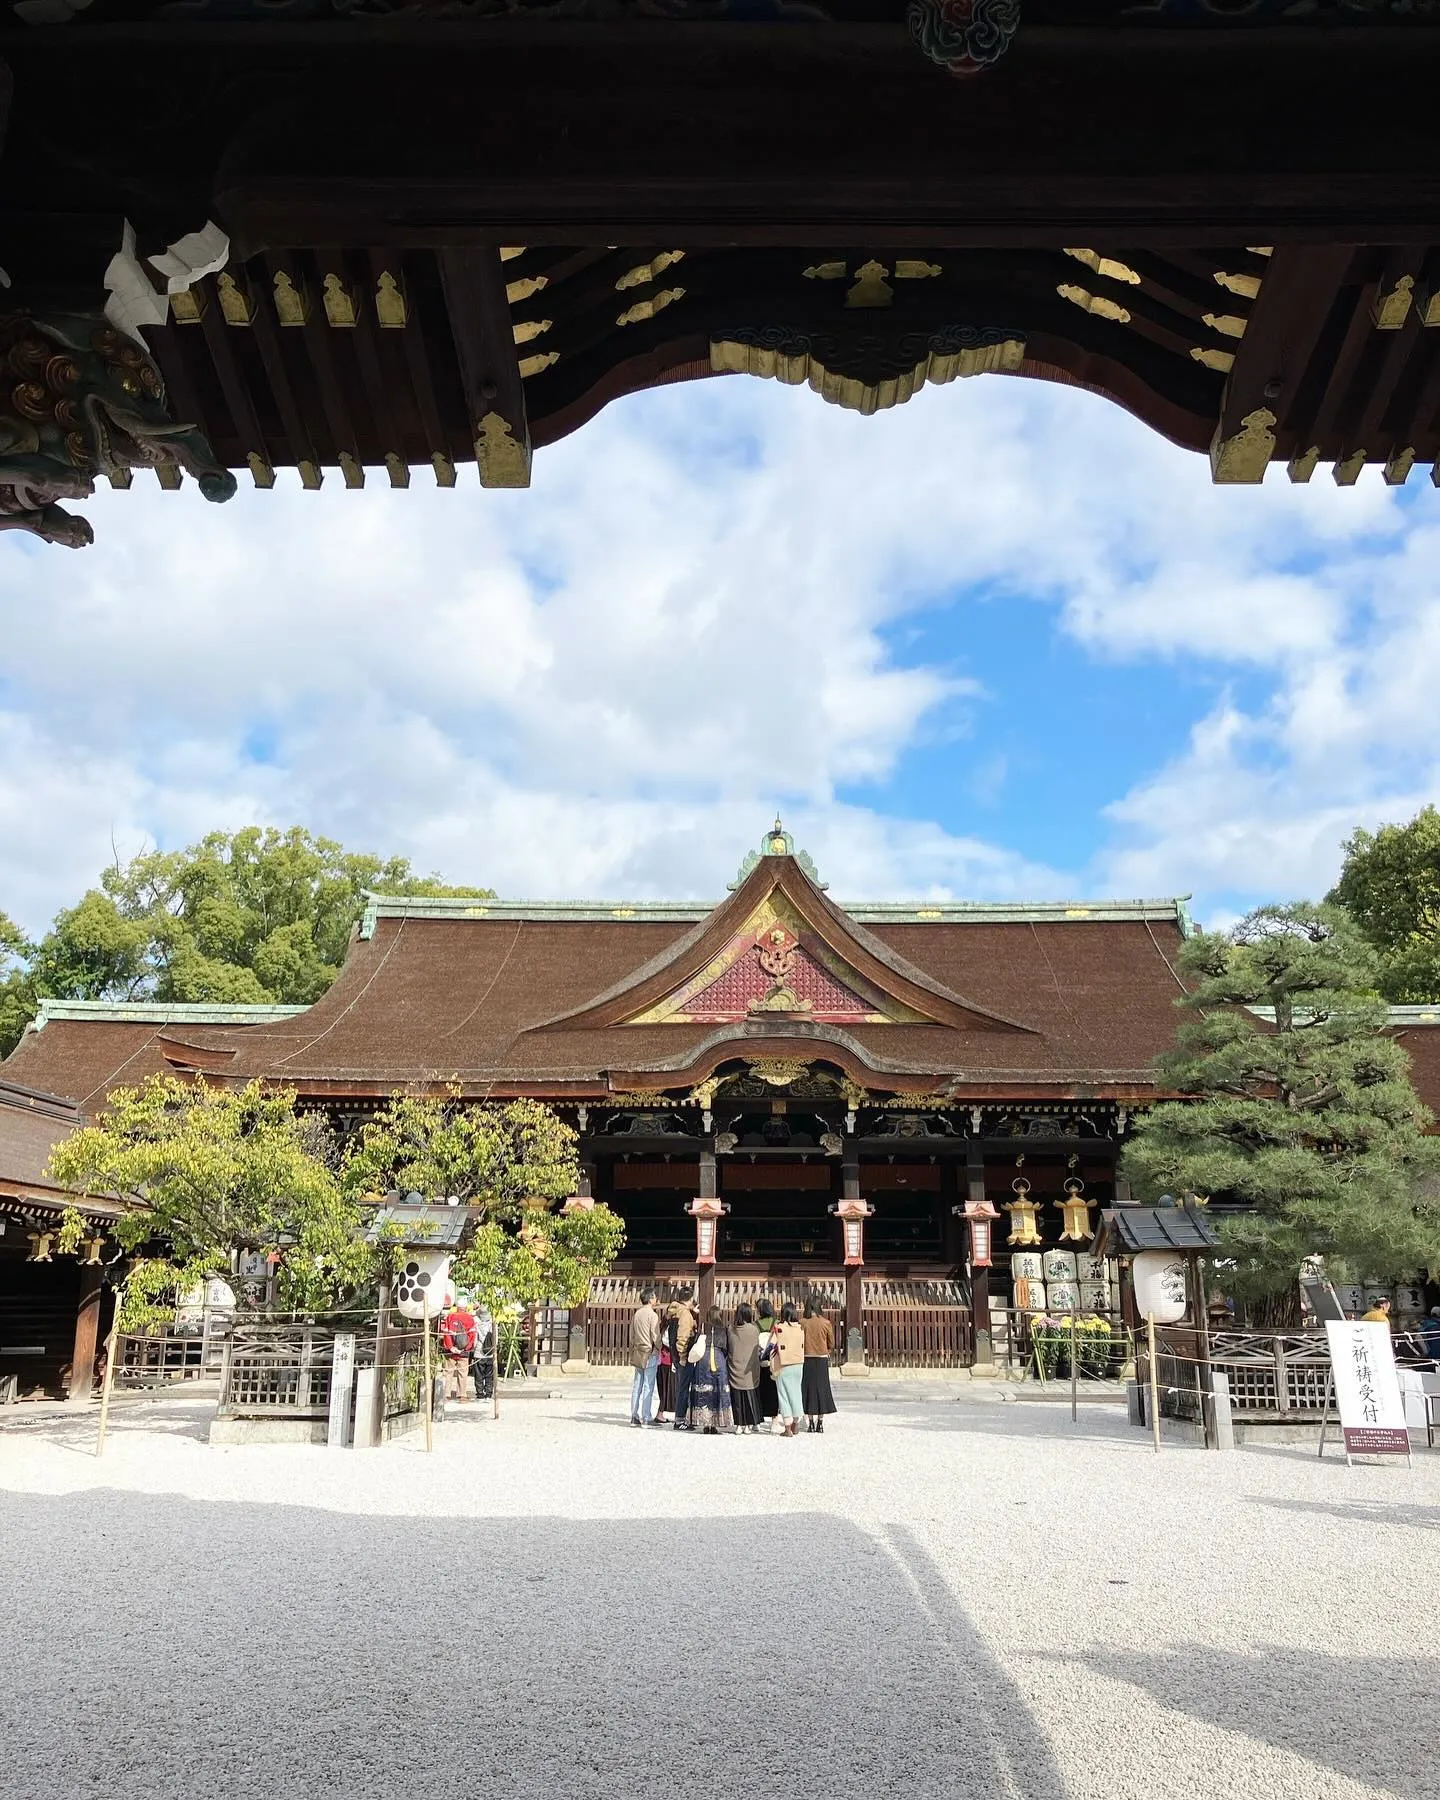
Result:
1022,1210
1160,1290
423,1290
1075,1210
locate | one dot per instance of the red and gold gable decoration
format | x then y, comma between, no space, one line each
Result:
776,965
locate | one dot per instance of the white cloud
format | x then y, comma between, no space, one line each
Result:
605,685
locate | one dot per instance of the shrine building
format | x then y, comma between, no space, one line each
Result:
779,1094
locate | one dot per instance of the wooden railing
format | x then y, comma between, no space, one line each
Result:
282,1369
918,1337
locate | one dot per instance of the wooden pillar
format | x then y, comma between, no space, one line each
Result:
705,1272
979,1278
952,1228
87,1332
854,1278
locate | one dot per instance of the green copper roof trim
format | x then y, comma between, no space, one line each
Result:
161,1012
1394,1015
873,912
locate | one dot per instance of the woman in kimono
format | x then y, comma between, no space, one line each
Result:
710,1409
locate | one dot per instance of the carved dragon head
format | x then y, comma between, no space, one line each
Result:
78,399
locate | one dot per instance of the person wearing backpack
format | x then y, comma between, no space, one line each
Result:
459,1340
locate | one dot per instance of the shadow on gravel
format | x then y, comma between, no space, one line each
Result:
1361,1512
1362,1716
283,1651
79,1430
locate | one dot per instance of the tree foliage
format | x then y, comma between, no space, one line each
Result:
245,917
495,1157
214,1171
513,1162
1312,1119
1390,885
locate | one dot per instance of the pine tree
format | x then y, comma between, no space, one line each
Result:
1302,1108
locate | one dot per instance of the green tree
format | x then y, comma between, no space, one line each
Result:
495,1157
17,1004
212,1171
1390,885
513,1162
1305,1113
242,917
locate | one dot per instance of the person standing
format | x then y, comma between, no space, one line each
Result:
665,1374
745,1370
787,1357
710,1409
766,1396
1429,1334
644,1358
815,1392
459,1338
482,1360
682,1313
1379,1313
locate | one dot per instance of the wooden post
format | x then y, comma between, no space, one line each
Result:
705,1272
87,1331
429,1389
1074,1370
1282,1376
855,1362
112,1346
979,1278
1206,1373
1154,1381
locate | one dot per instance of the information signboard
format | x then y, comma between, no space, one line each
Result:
1367,1390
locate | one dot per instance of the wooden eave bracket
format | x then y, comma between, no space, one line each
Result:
480,324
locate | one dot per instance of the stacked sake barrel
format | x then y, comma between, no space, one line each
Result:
1060,1282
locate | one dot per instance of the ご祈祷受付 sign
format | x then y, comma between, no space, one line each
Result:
1367,1390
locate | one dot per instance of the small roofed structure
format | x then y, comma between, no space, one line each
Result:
1172,1225
421,1224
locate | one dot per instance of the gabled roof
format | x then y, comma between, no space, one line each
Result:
778,897
580,1000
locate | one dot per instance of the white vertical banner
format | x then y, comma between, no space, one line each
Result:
1367,1389
342,1377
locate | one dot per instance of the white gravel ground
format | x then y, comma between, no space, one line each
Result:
940,1596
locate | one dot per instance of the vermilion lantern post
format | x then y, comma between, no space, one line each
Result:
707,1214
980,1216
853,1214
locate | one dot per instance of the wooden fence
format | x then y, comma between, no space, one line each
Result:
273,1369
918,1337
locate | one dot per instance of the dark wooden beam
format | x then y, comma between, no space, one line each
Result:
474,283
415,347
217,335
1264,411
303,453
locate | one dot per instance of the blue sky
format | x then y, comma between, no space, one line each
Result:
1001,642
